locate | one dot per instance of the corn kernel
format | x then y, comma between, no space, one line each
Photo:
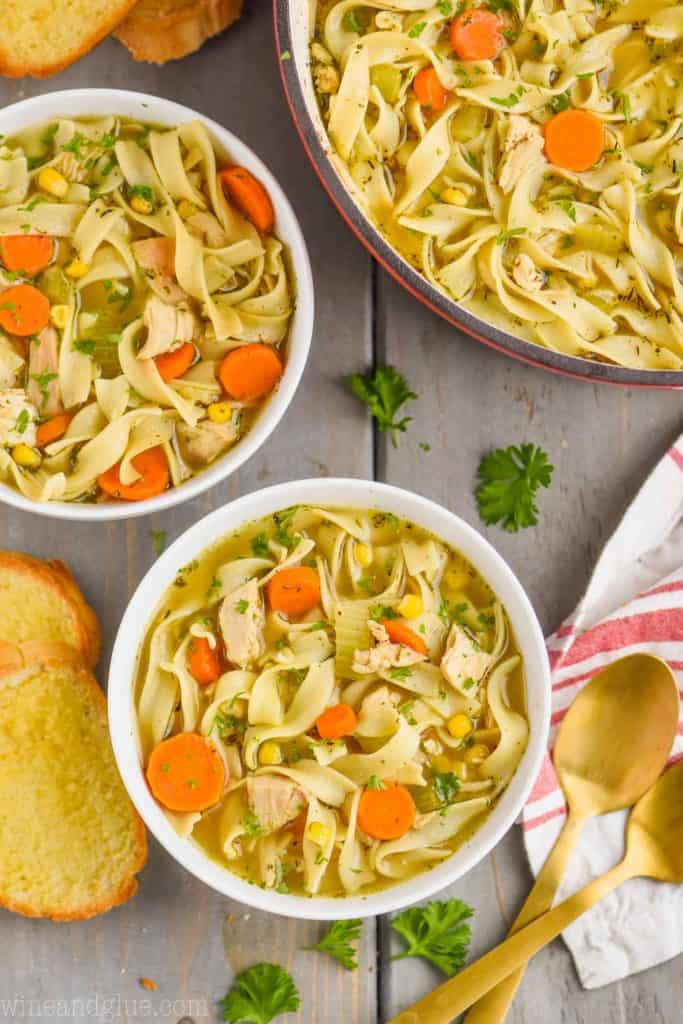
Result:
220,412
53,182
442,763
456,579
477,753
460,725
141,205
411,606
77,268
454,197
318,833
270,753
60,316
186,209
26,456
364,555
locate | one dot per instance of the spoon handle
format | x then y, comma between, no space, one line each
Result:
456,995
493,1008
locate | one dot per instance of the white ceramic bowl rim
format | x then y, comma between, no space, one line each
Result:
329,492
91,102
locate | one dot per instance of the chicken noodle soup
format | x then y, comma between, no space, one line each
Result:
524,156
329,701
144,307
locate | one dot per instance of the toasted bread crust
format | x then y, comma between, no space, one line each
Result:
18,658
128,885
57,577
12,68
161,30
86,613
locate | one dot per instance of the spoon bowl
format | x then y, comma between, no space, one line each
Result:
655,830
617,735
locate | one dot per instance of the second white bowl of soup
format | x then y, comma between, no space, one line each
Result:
156,304
338,704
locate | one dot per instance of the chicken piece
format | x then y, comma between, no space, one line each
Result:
156,256
43,372
274,801
526,274
202,444
384,655
207,227
326,78
464,662
67,164
168,327
523,146
17,418
242,620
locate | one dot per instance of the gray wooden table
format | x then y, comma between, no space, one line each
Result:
602,442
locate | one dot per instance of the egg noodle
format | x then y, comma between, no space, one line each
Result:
401,641
149,258
586,262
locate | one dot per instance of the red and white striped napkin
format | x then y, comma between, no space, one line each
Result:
634,602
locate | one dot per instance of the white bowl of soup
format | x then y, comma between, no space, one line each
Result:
156,304
329,699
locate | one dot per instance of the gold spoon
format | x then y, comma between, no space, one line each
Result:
611,747
654,849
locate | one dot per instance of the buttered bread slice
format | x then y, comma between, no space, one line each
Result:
71,842
40,37
163,30
42,601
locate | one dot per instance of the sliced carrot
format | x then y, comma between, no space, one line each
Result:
204,662
250,196
477,34
335,722
399,633
386,813
186,773
429,90
52,429
27,253
23,310
174,364
152,465
250,372
574,139
294,591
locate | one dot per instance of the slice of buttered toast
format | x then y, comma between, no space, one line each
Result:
40,37
42,601
71,842
161,30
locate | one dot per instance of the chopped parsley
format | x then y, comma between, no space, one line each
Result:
259,545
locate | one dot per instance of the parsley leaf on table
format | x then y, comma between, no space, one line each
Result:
260,994
158,540
510,478
337,942
384,391
438,932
